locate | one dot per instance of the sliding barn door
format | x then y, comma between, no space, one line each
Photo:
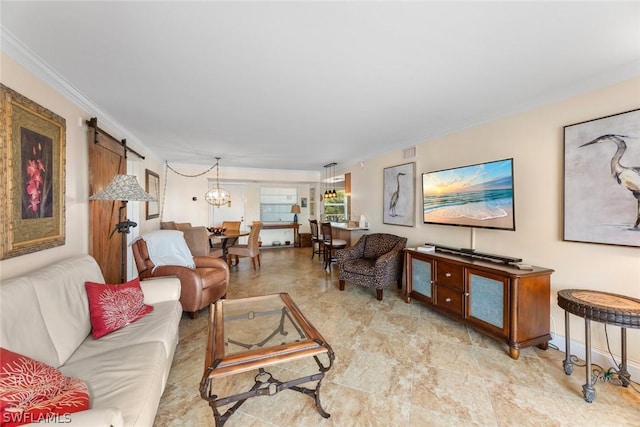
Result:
106,159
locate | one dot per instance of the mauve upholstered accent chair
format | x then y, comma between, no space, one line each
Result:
375,261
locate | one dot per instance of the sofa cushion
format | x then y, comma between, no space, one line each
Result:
50,306
363,266
160,325
168,247
32,391
129,378
21,317
113,307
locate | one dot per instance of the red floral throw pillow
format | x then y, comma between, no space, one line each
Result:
31,391
113,307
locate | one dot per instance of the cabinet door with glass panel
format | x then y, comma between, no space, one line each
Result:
419,283
488,301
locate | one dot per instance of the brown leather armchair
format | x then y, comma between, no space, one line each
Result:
201,286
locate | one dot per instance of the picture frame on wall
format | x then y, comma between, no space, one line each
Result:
32,175
152,186
601,175
399,186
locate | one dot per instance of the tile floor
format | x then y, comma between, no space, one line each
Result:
396,364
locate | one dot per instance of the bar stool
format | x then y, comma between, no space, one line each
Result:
330,244
317,246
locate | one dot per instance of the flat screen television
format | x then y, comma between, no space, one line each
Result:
479,196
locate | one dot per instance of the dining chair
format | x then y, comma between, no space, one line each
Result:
317,247
198,241
251,249
330,244
231,225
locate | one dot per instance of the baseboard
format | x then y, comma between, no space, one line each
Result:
601,358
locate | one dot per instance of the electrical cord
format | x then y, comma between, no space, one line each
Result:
167,168
598,373
612,374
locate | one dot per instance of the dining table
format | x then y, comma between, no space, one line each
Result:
227,239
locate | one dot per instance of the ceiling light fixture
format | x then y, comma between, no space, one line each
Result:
329,194
217,196
334,194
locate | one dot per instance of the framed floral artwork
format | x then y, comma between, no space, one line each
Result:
32,175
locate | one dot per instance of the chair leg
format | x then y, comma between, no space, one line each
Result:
259,265
327,258
341,284
379,294
193,314
253,262
320,251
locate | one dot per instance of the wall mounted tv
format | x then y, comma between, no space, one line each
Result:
479,196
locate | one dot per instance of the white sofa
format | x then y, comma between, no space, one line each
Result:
45,315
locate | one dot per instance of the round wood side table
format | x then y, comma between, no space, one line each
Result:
603,307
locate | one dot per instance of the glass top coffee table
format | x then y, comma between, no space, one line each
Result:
250,334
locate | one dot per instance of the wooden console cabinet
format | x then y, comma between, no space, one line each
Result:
495,299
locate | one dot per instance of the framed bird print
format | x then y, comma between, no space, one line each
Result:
399,184
602,180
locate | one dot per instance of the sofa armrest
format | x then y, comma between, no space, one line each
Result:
102,417
159,289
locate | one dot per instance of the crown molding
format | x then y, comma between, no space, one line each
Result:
20,53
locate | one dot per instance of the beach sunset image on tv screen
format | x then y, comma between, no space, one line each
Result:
478,195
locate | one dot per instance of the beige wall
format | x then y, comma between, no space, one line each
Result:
76,199
180,190
533,139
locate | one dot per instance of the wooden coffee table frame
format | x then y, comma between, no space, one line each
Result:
257,356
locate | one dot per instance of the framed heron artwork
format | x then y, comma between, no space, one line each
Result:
602,180
399,184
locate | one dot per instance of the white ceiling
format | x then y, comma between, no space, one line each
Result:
296,85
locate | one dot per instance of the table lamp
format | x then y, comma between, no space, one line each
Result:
295,210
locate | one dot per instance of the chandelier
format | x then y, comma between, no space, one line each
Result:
329,194
217,196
